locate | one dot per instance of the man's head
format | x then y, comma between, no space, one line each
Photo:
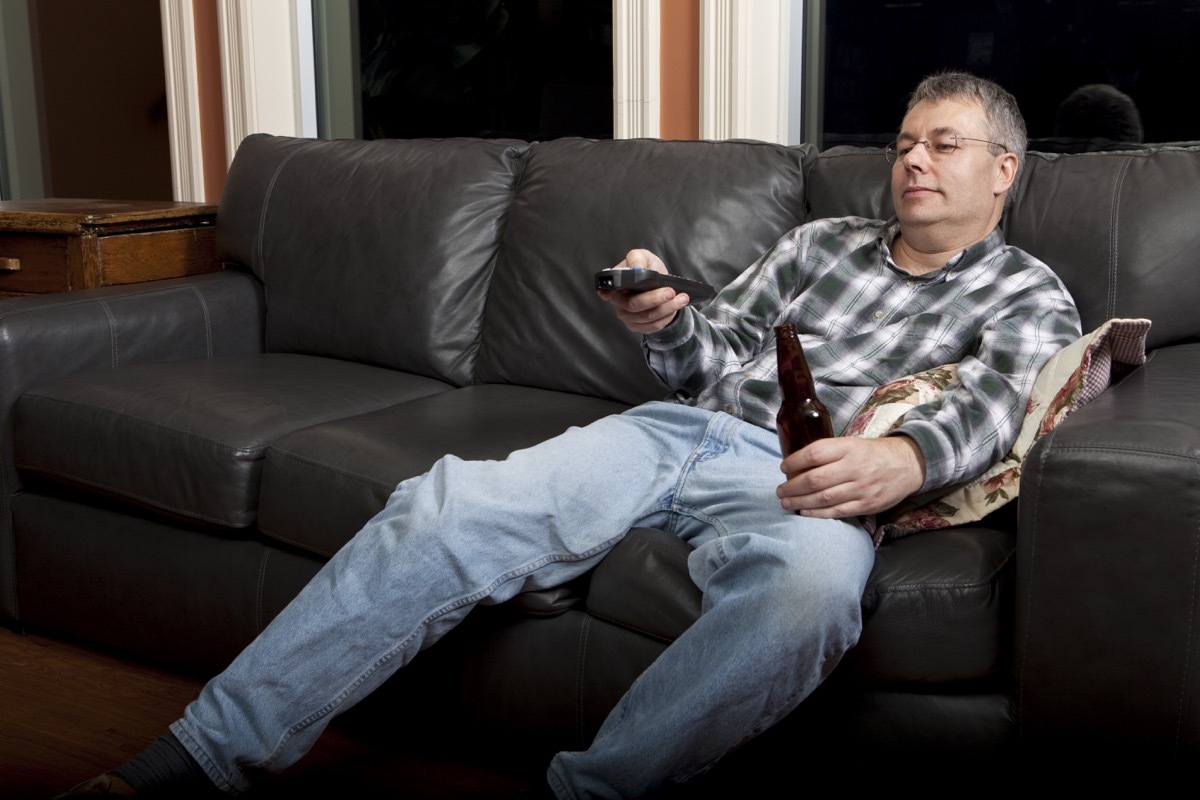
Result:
1002,115
957,154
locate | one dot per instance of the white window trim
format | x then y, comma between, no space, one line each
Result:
636,85
183,99
744,69
268,85
266,68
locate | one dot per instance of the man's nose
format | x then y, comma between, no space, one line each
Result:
917,157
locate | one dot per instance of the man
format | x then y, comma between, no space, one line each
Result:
874,301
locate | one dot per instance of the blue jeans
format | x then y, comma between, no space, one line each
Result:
782,597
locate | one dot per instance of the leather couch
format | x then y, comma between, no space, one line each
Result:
179,457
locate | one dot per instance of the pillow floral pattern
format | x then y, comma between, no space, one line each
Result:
1073,377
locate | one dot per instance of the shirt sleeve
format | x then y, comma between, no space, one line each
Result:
976,420
701,346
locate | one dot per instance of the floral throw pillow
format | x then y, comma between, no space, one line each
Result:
1073,377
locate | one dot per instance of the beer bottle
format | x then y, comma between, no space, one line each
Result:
802,418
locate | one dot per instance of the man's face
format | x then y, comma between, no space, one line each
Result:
960,193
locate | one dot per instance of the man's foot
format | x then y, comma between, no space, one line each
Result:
106,785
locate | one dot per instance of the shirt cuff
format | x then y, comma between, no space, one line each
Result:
680,330
941,468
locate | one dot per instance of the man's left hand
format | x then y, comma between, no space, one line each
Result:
846,476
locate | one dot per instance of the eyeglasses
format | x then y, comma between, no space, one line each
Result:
939,147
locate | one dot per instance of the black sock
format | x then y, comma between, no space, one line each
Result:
163,769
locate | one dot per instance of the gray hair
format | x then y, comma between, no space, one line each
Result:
1005,124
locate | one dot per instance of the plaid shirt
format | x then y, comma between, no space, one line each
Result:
995,311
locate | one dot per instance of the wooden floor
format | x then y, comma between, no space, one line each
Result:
68,713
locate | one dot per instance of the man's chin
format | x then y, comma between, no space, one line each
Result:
917,218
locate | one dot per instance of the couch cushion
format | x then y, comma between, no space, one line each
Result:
708,208
850,181
373,251
359,460
936,608
188,437
1109,224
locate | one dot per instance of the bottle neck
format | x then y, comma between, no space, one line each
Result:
795,379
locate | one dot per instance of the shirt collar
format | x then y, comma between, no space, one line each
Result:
968,258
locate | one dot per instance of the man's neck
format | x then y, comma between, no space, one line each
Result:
919,256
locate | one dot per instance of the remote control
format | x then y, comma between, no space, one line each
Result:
635,279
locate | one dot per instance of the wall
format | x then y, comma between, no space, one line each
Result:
212,114
679,75
99,71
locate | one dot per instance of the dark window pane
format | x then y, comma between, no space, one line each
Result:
530,69
875,51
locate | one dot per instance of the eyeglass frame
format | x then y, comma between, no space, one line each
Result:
892,153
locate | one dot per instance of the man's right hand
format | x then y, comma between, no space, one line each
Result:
645,312
847,476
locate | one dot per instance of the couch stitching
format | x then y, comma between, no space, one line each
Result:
1191,627
260,589
339,472
208,334
1113,236
631,627
113,355
1034,501
129,290
158,426
151,502
259,257
262,217
305,546
581,662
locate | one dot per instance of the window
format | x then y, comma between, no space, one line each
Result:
527,69
875,51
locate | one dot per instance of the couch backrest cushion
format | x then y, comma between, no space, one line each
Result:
849,181
372,251
709,209
1122,228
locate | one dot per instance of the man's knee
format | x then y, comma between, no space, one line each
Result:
790,572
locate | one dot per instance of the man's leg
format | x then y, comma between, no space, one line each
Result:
782,603
464,533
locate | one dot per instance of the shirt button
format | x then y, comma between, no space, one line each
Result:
878,315
728,409
909,283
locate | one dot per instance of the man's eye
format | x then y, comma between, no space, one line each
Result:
944,148
903,151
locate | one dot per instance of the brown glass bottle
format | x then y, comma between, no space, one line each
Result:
802,418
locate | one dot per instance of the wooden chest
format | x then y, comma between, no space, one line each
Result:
60,244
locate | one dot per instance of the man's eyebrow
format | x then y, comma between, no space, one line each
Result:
908,137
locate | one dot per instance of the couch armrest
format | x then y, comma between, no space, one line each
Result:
1108,608
49,336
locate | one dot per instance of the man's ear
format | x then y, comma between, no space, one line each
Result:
1006,173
